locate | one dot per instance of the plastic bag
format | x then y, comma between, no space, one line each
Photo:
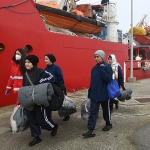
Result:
67,108
85,109
18,119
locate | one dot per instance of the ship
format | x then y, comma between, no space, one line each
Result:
24,25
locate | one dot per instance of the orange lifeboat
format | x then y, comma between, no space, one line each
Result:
75,21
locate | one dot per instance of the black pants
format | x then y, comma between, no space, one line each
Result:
94,109
112,102
38,119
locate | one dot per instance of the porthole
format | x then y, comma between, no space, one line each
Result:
28,48
2,47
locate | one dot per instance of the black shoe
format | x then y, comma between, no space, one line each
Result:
107,127
88,134
35,141
66,118
54,130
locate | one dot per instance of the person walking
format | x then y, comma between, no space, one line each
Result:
117,75
16,73
56,71
37,117
101,75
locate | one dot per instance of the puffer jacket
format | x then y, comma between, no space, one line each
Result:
16,78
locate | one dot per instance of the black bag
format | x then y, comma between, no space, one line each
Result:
57,98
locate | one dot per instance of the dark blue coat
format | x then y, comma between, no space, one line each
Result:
100,77
120,77
56,72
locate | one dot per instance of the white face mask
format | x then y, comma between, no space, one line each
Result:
18,57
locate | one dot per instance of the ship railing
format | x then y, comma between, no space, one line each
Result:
139,64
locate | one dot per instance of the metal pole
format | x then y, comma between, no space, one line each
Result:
131,44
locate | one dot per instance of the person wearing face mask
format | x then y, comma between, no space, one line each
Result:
16,73
56,71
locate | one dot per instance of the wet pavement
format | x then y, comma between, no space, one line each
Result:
131,127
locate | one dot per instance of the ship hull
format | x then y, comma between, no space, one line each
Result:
74,54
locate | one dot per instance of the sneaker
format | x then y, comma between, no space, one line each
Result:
54,130
36,140
107,127
66,118
88,134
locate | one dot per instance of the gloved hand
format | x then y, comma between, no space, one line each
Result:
7,92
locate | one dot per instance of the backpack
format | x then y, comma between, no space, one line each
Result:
57,98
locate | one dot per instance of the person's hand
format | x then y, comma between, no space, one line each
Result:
123,88
7,92
102,65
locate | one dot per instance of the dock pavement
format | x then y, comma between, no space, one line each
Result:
131,126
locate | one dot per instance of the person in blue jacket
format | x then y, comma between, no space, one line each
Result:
56,71
101,75
117,75
37,117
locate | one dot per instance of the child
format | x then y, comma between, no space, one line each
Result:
57,73
37,117
117,75
101,75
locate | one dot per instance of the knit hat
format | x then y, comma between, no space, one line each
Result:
33,59
101,53
51,57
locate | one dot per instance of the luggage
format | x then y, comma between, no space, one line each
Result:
129,93
18,119
67,108
39,94
85,109
57,98
125,95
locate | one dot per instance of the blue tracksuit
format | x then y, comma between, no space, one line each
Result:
37,117
100,77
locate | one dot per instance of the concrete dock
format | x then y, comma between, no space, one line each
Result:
131,126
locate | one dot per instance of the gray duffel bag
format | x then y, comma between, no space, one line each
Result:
35,94
125,95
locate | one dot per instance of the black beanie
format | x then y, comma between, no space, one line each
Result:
51,57
33,59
